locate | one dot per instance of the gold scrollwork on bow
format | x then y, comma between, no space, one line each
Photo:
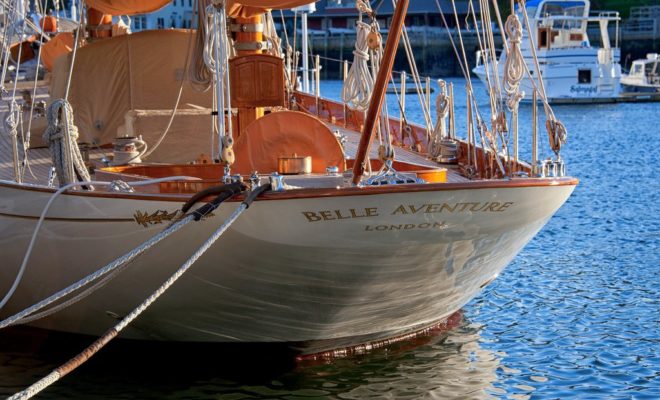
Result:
145,219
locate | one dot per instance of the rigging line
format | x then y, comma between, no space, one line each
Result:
458,57
18,61
453,44
33,315
15,115
489,48
7,36
496,61
294,67
416,79
492,142
170,121
542,92
284,29
287,54
465,74
26,142
498,113
77,39
482,48
487,57
501,25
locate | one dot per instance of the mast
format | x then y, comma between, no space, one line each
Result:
378,95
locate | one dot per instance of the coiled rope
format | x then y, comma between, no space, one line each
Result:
514,66
11,122
216,59
200,75
440,130
86,354
359,83
61,136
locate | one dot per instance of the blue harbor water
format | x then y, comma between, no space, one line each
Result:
576,314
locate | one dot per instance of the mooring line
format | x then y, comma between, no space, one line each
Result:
92,349
42,218
229,190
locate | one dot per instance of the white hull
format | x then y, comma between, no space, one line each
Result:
278,274
560,70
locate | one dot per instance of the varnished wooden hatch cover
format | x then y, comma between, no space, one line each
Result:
257,80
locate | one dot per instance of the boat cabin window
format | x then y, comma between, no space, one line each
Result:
637,69
571,9
651,69
584,76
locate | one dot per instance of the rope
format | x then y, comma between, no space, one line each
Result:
270,34
28,136
216,59
11,123
359,83
9,31
12,119
462,62
557,132
22,317
42,217
61,136
200,76
170,121
514,66
72,364
440,130
426,108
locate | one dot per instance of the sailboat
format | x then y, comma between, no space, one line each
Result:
155,140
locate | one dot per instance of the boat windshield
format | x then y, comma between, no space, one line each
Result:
573,9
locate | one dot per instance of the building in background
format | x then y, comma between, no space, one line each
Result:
335,15
177,15
330,15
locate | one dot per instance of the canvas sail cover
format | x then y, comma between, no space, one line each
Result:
127,7
249,8
142,71
235,8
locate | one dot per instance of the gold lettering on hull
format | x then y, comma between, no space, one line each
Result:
409,209
332,215
407,227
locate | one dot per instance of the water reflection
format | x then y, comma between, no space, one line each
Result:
441,365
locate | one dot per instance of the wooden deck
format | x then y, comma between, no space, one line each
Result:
404,155
39,159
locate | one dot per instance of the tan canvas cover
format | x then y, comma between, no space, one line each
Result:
250,8
58,46
235,8
142,71
127,7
